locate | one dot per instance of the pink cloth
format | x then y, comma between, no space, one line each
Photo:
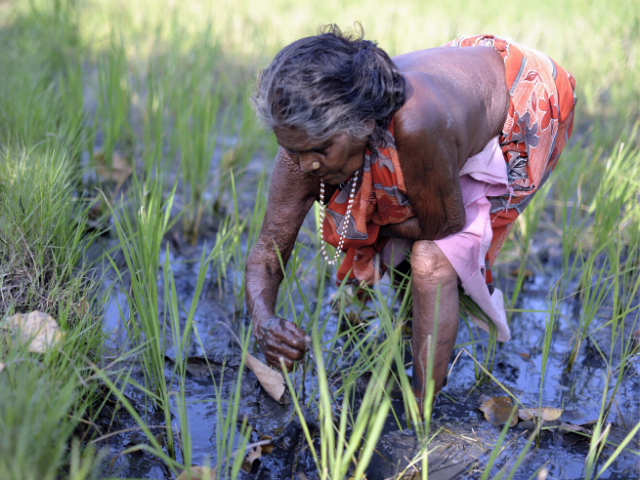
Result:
484,174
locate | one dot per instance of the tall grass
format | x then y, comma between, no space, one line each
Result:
166,84
42,237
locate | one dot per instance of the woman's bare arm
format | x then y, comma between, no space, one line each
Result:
427,144
291,196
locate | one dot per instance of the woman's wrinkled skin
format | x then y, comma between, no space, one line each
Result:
456,101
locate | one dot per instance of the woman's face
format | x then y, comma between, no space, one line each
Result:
333,160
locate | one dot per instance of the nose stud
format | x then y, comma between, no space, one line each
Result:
315,166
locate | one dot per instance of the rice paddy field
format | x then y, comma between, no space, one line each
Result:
133,182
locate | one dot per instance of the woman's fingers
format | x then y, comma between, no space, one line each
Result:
283,340
285,332
285,350
274,361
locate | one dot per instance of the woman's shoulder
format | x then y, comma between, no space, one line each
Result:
426,113
453,102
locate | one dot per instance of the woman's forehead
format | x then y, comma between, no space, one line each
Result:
298,140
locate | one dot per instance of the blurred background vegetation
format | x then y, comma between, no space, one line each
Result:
92,92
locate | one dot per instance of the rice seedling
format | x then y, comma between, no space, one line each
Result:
113,99
153,119
140,233
337,454
196,126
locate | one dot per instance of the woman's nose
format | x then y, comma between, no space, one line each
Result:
309,163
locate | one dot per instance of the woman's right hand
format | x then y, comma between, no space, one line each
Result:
281,339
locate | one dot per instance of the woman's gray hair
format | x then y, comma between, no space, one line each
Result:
332,83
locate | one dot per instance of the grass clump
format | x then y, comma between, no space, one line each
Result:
42,231
44,398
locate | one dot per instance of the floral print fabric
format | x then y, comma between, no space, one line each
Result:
380,199
537,128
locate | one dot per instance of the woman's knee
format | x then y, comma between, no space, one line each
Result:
429,262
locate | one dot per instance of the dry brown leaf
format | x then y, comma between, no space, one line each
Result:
39,329
527,272
119,170
252,455
271,381
1,366
548,414
266,449
525,356
498,409
635,337
82,307
575,428
199,473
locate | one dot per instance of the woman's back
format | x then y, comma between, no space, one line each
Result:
459,90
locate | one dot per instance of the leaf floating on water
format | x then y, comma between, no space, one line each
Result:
498,409
525,356
548,414
198,473
271,381
543,474
252,455
266,449
526,273
119,170
40,330
575,428
525,414
635,338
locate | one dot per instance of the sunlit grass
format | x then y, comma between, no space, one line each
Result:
166,85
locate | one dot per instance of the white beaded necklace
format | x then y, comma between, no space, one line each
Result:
345,221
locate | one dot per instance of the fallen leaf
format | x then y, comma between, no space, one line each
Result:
575,428
198,473
82,307
39,329
266,449
548,414
271,381
524,355
526,273
1,366
252,455
635,338
119,170
498,409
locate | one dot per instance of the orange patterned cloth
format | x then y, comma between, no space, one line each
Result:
537,128
380,200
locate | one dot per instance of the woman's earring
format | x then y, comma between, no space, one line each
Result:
315,165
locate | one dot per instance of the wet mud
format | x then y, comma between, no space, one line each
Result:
465,440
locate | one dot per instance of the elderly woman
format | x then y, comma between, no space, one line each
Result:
431,155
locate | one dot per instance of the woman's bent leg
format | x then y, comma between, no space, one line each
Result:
430,268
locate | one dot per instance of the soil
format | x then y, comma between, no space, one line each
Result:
465,439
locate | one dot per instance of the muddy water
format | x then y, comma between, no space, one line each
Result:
466,439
